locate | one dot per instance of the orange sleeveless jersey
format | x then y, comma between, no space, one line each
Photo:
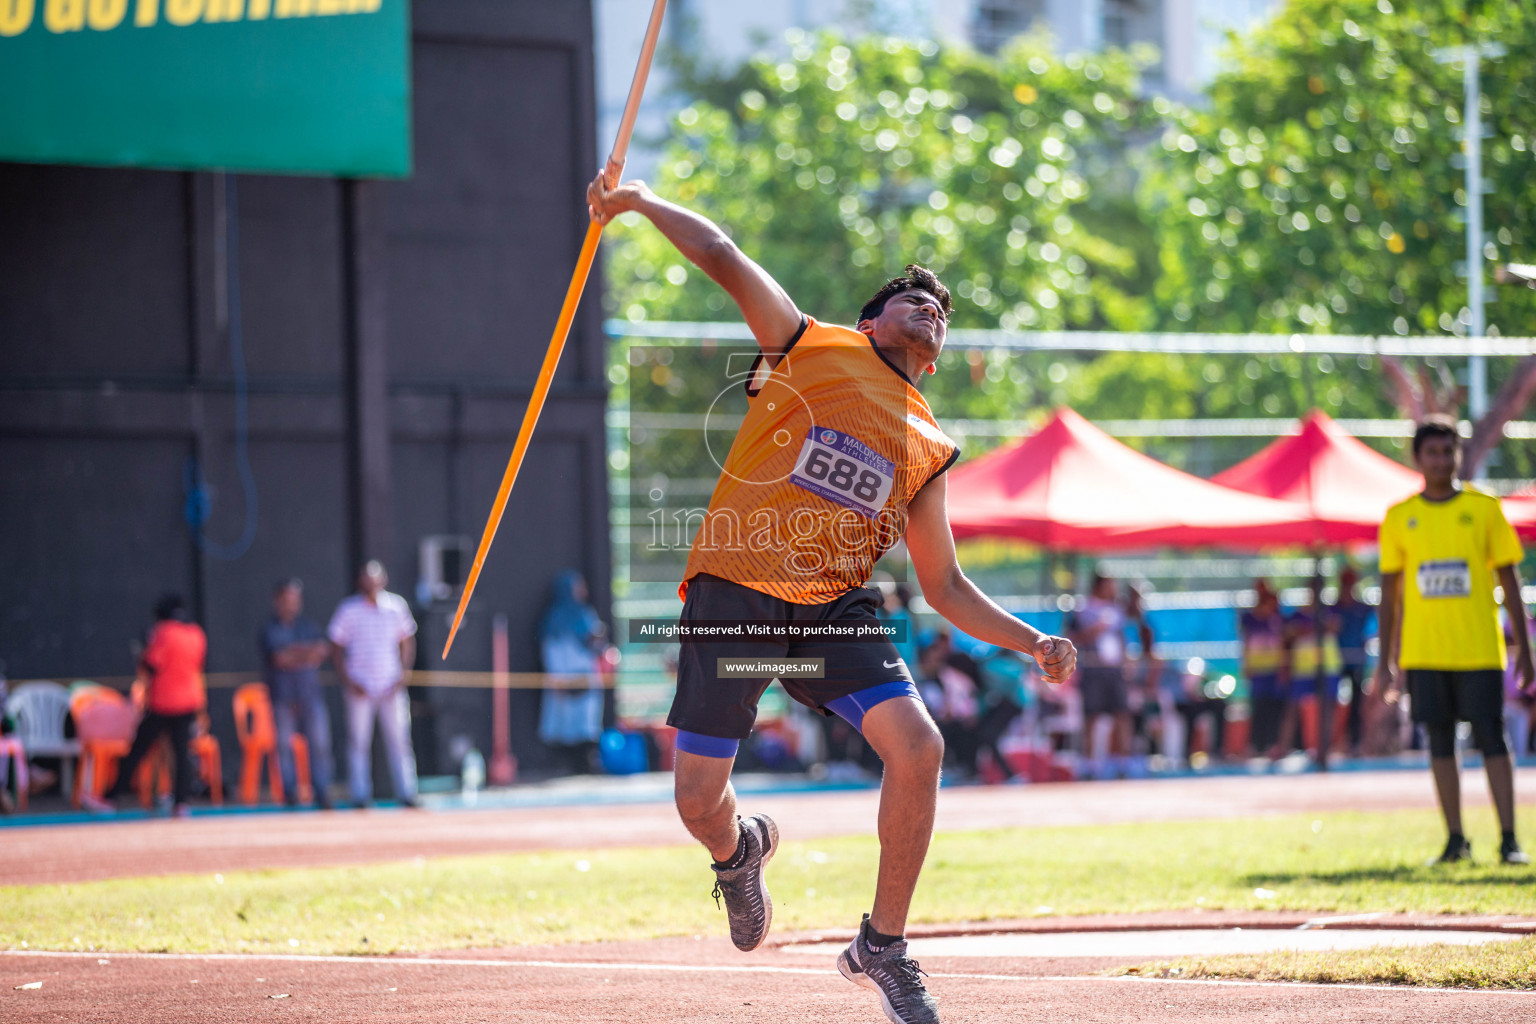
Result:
835,444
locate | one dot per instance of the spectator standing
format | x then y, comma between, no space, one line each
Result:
6,727
374,643
1098,630
947,683
173,660
1264,665
1354,618
1442,552
1004,696
571,639
897,610
960,721
292,650
1312,640
930,661
1143,684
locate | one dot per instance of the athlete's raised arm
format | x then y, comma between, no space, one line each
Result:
950,593
767,308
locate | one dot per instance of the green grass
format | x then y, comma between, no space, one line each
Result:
1491,965
1338,862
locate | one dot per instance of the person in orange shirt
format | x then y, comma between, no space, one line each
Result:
838,459
173,661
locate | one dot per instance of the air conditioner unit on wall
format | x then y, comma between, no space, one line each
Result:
444,563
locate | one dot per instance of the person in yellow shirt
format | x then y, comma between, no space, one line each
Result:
1442,553
837,459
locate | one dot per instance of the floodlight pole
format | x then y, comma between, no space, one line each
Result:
1470,56
1477,366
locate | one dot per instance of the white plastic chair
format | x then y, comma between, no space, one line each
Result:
39,709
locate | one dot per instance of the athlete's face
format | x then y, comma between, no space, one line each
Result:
911,319
1439,459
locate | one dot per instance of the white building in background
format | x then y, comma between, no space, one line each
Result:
1189,35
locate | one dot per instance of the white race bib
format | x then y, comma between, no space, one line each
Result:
1447,577
844,470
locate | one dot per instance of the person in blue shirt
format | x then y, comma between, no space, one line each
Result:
1354,618
292,650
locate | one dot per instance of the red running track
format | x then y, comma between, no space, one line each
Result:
672,981
686,981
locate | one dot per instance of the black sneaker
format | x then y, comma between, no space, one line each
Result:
1456,849
745,889
1510,853
894,975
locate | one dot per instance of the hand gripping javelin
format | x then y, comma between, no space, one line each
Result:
563,324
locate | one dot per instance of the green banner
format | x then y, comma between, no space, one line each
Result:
299,86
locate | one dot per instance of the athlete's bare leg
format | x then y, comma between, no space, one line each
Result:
1447,773
909,743
1501,786
706,801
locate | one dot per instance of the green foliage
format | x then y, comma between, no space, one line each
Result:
1320,193
845,161
1489,965
1317,192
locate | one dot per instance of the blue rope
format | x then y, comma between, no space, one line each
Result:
198,502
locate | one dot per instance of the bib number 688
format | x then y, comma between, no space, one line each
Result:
839,473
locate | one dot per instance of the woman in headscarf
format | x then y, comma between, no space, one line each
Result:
572,639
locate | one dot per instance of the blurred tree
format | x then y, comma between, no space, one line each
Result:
1321,192
839,164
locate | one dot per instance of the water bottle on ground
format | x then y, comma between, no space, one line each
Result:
472,775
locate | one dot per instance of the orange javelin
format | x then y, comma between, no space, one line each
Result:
562,325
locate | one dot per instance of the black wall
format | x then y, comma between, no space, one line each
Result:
392,332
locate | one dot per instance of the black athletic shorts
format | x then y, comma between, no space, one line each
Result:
726,706
1104,689
1442,697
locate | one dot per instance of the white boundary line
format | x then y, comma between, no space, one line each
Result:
602,965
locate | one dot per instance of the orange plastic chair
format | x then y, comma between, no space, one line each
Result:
10,747
300,747
258,742
155,775
104,726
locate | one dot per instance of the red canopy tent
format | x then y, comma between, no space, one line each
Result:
1345,485
1073,486
1520,510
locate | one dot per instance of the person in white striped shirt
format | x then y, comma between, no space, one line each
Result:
374,638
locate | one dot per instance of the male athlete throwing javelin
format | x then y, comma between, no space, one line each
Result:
837,459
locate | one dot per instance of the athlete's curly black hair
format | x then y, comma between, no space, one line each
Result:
915,277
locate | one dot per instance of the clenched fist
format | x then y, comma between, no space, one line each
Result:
1057,658
607,198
